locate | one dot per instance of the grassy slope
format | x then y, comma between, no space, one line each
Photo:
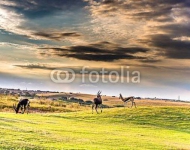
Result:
118,128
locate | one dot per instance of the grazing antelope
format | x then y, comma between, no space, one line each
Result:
23,104
97,101
128,99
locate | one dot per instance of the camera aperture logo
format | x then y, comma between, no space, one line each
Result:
122,75
62,75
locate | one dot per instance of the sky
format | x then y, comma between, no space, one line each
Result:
149,40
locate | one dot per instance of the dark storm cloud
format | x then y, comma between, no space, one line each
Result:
96,57
172,48
40,8
176,30
57,35
103,51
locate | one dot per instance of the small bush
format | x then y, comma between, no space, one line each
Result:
89,102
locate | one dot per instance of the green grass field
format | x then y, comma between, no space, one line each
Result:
162,128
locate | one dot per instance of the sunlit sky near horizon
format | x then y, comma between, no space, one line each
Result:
149,36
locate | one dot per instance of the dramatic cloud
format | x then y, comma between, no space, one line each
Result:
102,51
35,66
142,23
172,48
31,18
10,21
56,35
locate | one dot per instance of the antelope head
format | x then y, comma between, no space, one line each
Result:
15,108
120,96
99,94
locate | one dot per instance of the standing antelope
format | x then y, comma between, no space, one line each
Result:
128,99
23,104
97,101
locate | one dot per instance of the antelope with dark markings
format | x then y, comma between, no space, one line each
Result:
23,104
128,99
97,102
